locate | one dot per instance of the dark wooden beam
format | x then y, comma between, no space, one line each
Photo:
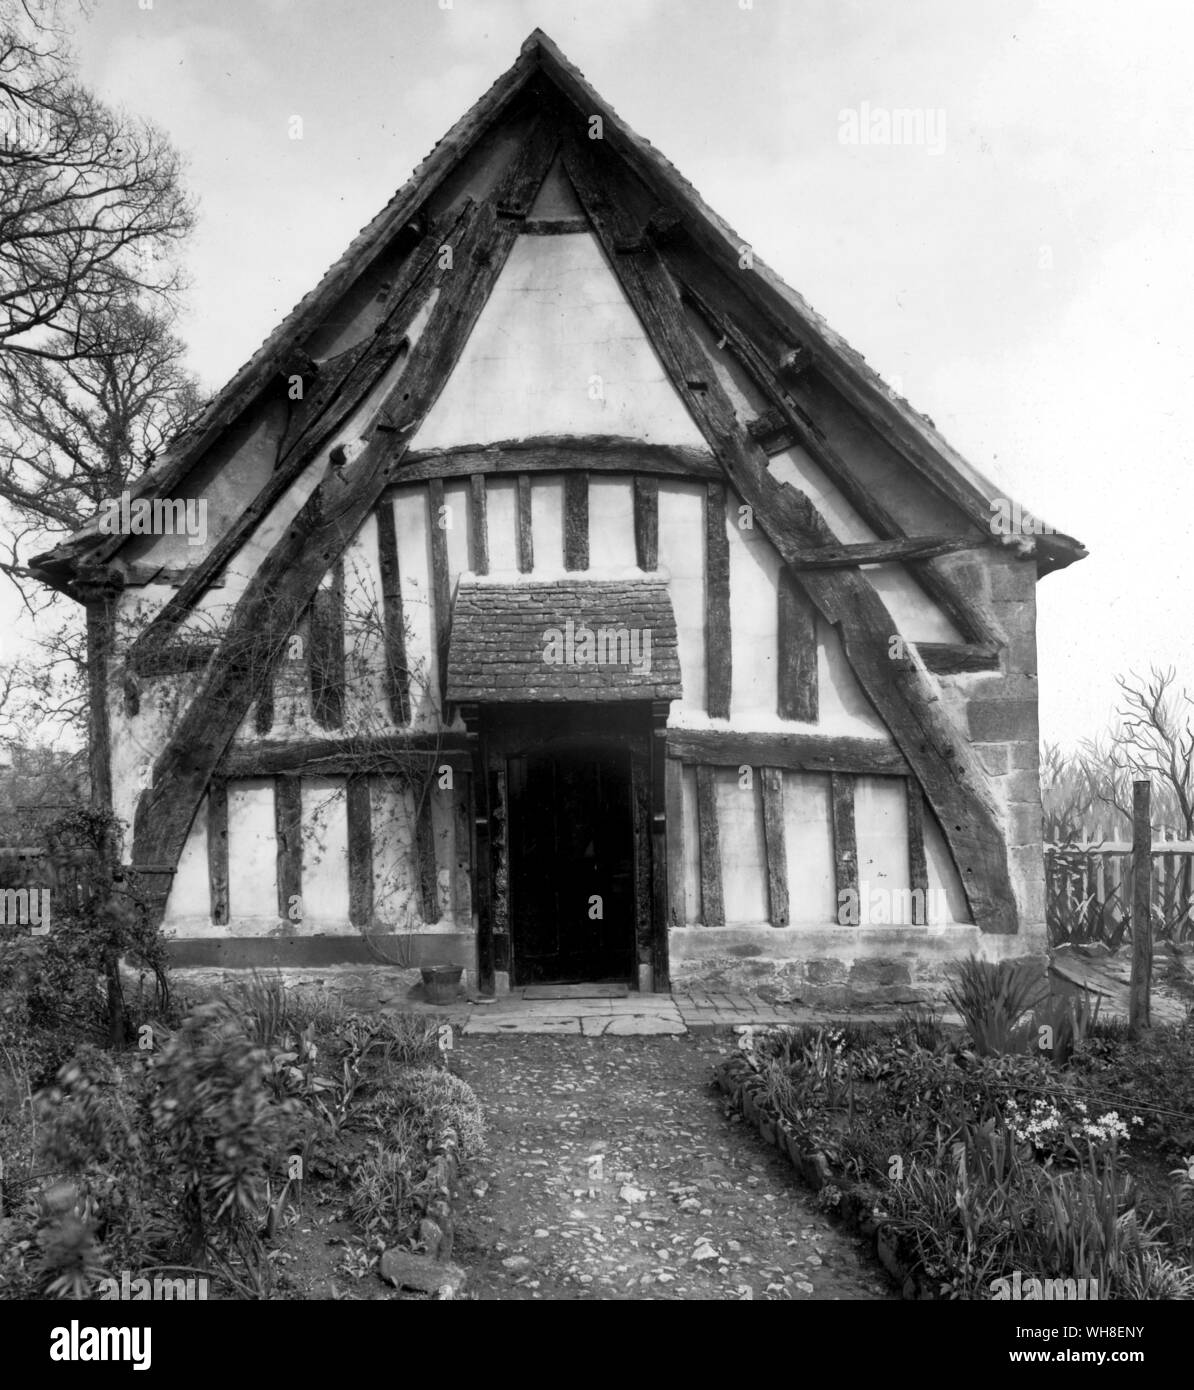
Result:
287,580
713,913
338,757
288,831
478,524
660,871
775,841
359,814
889,551
946,767
554,226
646,522
957,658
171,658
576,521
410,294
677,906
137,575
797,680
793,752
101,637
425,851
718,652
441,593
790,400
845,839
482,883
640,825
393,618
462,825
263,714
526,545
559,454
217,849
918,864
325,652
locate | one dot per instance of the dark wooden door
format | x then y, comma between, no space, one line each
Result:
571,866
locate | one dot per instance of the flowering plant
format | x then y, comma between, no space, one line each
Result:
1054,1127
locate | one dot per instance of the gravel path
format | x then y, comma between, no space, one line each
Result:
614,1172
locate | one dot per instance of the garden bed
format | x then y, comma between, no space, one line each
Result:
964,1168
280,1146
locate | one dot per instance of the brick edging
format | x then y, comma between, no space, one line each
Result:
741,1083
434,1195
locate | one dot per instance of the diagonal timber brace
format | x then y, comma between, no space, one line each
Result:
941,761
287,580
410,295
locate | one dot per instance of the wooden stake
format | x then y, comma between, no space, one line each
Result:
1142,936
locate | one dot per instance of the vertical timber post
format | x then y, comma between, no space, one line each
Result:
1142,882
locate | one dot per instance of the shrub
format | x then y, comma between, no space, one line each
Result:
441,1100
220,1129
992,998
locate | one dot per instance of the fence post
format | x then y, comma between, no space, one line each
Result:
1142,937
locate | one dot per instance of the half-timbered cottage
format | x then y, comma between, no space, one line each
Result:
555,594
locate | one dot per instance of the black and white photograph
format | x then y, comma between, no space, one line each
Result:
596,699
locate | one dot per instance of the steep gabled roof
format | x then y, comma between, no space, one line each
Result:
845,369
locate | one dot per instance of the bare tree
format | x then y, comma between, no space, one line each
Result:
91,202
1154,738
72,434
75,433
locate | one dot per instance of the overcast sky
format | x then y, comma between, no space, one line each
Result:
1025,281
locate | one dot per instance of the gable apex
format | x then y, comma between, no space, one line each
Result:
684,215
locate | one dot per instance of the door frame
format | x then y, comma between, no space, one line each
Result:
499,730
621,934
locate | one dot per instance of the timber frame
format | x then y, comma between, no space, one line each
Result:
678,266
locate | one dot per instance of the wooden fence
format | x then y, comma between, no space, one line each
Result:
1088,890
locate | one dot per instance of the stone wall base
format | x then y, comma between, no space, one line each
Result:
404,950
839,968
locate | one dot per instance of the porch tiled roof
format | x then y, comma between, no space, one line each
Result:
569,639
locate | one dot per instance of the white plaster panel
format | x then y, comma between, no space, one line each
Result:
501,507
188,908
682,556
881,827
808,840
395,880
414,569
325,854
547,521
743,852
843,706
943,873
252,856
455,528
754,619
557,319
365,702
611,523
